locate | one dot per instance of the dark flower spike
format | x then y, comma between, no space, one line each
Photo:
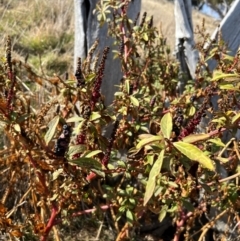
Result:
9,57
143,19
136,19
150,23
106,157
10,74
189,129
121,46
153,101
98,82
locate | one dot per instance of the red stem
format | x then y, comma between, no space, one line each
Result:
51,222
80,213
180,223
104,207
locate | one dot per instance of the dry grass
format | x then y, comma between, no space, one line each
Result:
40,28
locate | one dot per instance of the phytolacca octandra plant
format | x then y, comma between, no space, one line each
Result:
63,141
98,82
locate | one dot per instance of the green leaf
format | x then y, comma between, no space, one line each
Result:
136,28
162,213
121,164
228,57
51,129
144,136
95,116
74,119
77,129
227,87
188,205
54,197
118,93
173,184
98,172
236,118
222,159
149,140
217,141
88,163
127,86
173,209
166,125
132,201
134,101
93,153
90,77
219,75
75,150
145,36
151,183
195,138
129,216
56,174
194,154
206,188
192,111
17,128
123,110
150,159
70,82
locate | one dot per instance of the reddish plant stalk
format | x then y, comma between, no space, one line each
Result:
104,207
80,213
51,222
180,224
